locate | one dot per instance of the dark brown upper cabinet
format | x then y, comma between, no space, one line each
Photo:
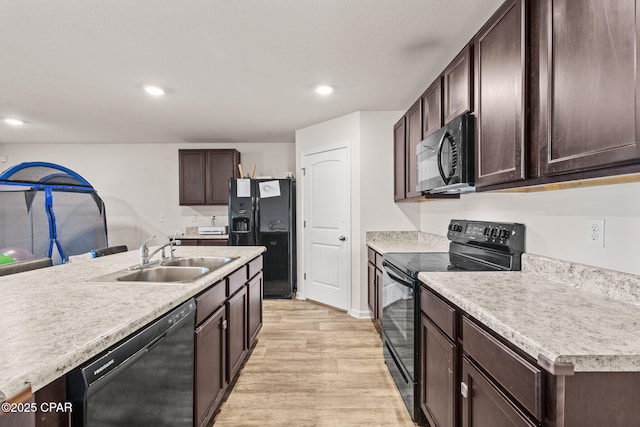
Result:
500,96
413,138
432,108
458,85
204,176
588,84
399,156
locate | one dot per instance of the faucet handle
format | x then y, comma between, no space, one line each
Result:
144,250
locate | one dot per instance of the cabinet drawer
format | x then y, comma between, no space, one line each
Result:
440,313
520,378
236,280
379,261
255,266
372,255
208,301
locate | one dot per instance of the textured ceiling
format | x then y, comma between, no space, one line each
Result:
235,70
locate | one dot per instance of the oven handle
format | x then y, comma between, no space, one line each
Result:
396,275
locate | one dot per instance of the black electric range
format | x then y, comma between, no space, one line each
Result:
474,246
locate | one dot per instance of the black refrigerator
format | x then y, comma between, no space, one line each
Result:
262,213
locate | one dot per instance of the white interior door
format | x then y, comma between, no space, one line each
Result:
326,230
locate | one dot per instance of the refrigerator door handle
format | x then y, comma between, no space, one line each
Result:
256,217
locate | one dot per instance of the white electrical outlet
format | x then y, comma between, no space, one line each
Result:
161,217
595,232
194,218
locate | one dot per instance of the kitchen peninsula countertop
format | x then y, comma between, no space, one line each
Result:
54,319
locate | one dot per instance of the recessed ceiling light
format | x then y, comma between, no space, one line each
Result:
13,122
324,90
154,90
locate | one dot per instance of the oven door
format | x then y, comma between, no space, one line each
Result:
399,299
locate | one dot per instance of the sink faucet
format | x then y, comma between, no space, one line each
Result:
145,256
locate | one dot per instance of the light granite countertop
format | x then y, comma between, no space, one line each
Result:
55,319
565,312
194,236
542,317
405,241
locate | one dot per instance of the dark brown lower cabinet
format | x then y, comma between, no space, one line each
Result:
438,376
254,297
237,331
211,366
53,393
483,405
212,242
371,288
374,287
204,242
226,314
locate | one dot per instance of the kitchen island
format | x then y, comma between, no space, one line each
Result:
57,318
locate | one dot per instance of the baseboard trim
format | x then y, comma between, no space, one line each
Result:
359,314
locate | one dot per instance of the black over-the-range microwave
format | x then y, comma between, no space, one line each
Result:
444,159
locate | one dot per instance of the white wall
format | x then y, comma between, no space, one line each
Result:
556,221
369,136
139,182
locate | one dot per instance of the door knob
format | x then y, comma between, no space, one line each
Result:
342,238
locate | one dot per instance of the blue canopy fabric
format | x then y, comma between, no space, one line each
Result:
76,225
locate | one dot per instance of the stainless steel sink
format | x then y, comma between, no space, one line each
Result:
212,263
164,274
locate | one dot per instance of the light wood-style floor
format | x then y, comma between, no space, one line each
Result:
314,366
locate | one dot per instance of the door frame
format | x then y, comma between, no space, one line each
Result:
302,255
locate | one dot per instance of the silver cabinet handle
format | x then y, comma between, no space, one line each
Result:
342,238
464,390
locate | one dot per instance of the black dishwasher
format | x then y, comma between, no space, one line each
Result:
145,380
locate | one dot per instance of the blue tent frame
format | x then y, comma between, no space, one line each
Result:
48,185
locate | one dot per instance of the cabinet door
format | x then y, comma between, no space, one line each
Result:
254,291
500,48
378,294
414,136
438,377
210,365
221,165
237,332
589,75
483,405
371,293
432,108
212,242
192,165
399,156
457,86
